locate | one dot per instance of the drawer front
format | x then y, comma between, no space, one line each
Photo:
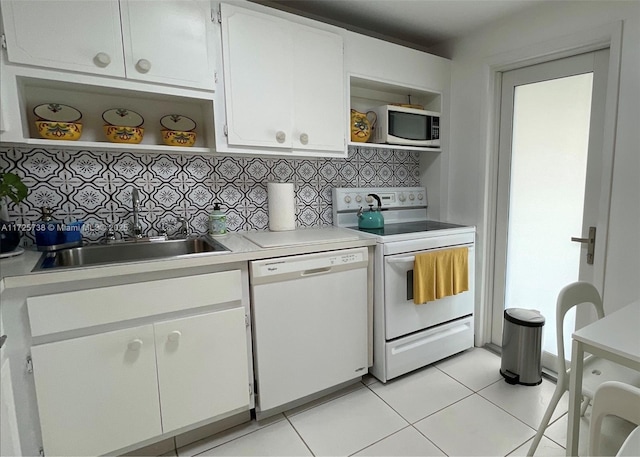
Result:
86,308
417,350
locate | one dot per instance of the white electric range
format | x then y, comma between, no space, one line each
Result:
408,336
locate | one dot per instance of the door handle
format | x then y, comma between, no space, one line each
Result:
591,244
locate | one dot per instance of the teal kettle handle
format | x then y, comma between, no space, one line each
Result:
377,199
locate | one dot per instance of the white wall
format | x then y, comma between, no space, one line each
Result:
470,127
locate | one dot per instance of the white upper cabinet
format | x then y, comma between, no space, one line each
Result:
169,42
284,84
319,90
390,63
69,35
166,41
258,69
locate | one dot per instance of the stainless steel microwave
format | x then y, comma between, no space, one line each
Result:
406,126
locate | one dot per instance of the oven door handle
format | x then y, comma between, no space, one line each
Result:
408,259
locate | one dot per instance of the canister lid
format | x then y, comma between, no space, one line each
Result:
525,317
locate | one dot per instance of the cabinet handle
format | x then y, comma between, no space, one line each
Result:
143,65
304,138
102,59
135,345
174,336
281,136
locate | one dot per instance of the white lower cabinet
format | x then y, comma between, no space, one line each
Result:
199,358
97,393
110,390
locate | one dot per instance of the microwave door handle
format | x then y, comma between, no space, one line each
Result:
402,259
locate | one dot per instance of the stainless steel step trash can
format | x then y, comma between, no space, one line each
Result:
522,346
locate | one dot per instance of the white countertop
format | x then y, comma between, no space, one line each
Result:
17,271
300,237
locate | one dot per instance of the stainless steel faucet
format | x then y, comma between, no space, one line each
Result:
185,228
136,228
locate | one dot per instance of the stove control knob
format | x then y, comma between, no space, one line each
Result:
358,198
347,199
402,197
420,197
369,199
412,197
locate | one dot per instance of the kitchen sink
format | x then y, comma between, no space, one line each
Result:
128,251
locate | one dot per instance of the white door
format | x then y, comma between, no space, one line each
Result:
551,188
97,393
169,42
258,73
202,367
66,34
319,113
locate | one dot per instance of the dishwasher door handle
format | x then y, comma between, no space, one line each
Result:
315,271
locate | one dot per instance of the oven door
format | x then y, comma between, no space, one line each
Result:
402,316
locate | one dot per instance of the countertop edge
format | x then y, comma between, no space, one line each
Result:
247,253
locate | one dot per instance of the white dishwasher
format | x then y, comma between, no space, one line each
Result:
309,324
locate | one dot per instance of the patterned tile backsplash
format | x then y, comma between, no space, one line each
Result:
95,186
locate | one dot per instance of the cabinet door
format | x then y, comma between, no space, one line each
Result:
319,90
10,442
258,68
98,393
65,34
202,367
169,42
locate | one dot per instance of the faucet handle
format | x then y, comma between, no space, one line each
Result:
135,230
163,229
110,234
185,228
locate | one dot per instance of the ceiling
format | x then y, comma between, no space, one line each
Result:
416,23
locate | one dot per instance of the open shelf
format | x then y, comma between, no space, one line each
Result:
108,146
393,146
93,99
367,94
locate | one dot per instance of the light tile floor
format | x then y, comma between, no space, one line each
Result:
457,407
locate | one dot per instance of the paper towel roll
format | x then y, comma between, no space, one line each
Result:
282,214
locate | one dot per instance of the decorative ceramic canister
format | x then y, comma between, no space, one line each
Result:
362,125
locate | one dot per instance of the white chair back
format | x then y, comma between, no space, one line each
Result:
570,296
612,398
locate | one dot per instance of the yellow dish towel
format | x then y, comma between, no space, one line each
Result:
440,274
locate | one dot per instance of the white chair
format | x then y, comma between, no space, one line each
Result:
596,370
621,400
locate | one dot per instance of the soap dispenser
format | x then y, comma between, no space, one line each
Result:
217,221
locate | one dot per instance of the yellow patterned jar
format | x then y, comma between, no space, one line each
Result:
178,138
122,134
52,130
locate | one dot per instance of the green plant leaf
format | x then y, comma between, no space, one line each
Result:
12,186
